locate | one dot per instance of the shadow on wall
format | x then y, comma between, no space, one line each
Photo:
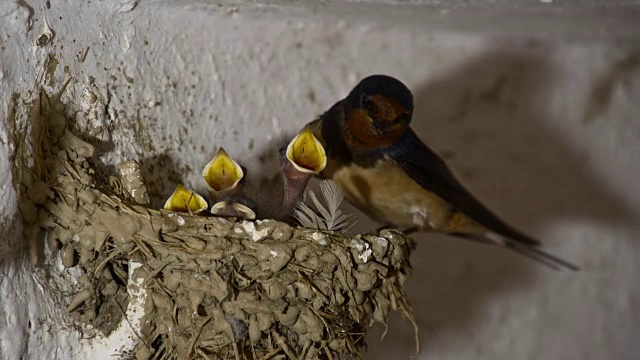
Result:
12,246
161,174
483,119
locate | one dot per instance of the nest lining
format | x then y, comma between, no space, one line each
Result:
216,287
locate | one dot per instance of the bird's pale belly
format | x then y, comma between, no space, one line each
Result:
387,194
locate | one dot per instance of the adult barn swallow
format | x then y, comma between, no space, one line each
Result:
393,177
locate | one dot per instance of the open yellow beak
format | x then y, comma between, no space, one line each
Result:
306,153
184,200
222,173
305,158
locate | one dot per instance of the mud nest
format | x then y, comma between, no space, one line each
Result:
213,287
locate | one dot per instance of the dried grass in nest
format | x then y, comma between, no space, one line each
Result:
216,288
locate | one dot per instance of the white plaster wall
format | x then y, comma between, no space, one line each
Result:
533,104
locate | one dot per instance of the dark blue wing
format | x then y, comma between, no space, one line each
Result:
427,169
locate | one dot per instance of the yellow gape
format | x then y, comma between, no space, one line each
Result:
222,173
184,200
306,153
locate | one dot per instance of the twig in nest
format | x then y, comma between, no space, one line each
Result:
353,347
392,296
284,345
305,349
386,330
327,351
324,322
116,185
253,349
140,241
305,280
197,333
271,354
155,272
124,316
98,270
203,354
415,326
235,350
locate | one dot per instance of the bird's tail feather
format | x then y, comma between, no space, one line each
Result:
532,251
542,257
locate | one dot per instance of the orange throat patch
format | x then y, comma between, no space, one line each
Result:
362,128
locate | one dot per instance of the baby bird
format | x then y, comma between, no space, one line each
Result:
224,179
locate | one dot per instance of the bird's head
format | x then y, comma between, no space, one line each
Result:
378,111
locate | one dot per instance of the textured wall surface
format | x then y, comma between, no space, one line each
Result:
533,104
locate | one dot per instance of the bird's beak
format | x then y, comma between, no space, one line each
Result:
404,119
222,173
233,209
306,153
184,200
304,158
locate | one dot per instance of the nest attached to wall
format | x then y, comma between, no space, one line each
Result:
215,287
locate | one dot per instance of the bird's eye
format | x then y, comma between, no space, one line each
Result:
366,102
404,117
